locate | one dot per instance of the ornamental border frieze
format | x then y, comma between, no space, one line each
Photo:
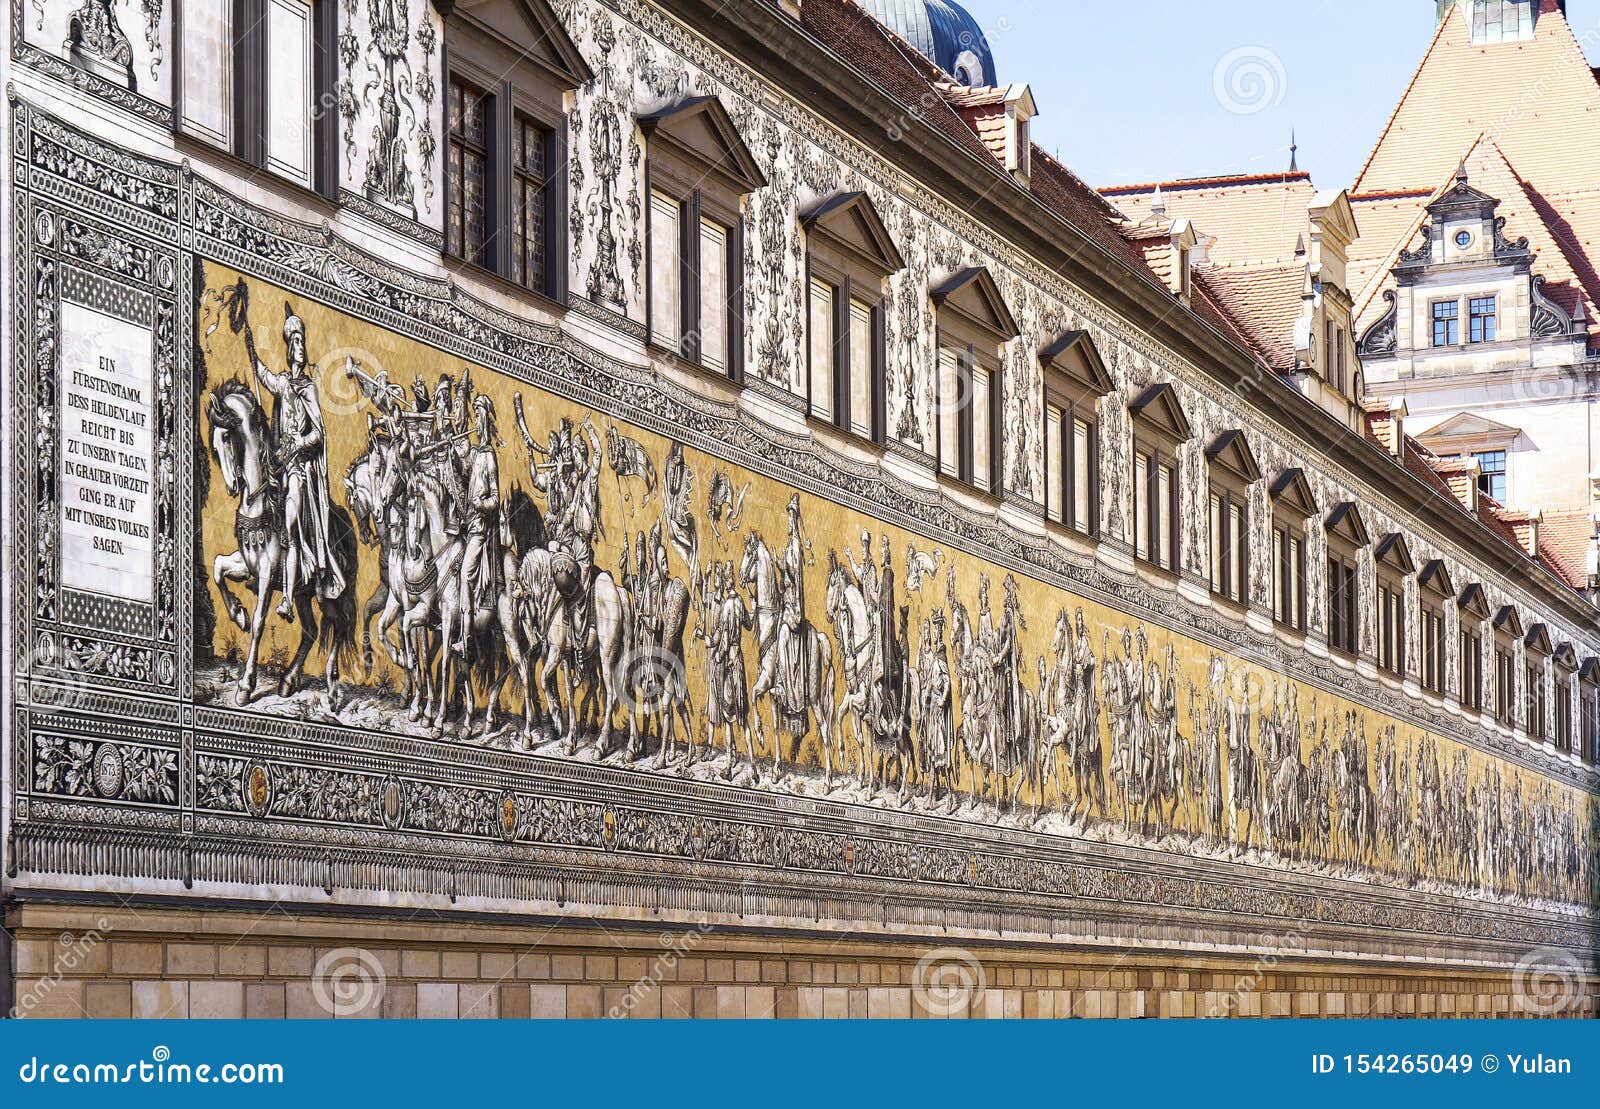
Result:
471,792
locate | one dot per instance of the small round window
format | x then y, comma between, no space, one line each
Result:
1463,238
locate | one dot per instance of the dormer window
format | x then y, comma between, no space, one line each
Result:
849,256
1446,323
974,324
1075,381
699,171
1160,427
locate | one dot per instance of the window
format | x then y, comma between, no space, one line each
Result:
849,256
1492,474
1481,320
1472,610
1536,655
1159,427
1563,715
530,157
1292,505
699,171
973,324
505,148
1589,711
1346,534
283,65
1393,562
1505,684
1446,323
468,172
1391,627
1434,590
1075,380
1501,20
1233,472
1471,668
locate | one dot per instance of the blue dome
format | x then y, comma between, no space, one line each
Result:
942,32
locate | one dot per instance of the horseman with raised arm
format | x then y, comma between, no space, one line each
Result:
300,435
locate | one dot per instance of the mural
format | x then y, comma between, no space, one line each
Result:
112,46
397,540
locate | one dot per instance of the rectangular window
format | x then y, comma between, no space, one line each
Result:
1344,613
822,325
865,365
1229,546
1505,692
291,89
1085,515
1056,468
1492,474
1072,461
1288,578
1471,671
206,77
1563,716
713,344
950,379
1391,629
1342,378
666,270
1141,506
1446,323
982,427
1433,654
1155,506
530,151
1481,319
1536,701
1590,728
468,216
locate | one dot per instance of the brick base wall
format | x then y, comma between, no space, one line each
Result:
123,962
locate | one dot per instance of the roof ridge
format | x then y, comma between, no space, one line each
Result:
1203,182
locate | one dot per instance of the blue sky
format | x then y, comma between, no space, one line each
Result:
1128,90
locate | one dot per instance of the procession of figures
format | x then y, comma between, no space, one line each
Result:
699,648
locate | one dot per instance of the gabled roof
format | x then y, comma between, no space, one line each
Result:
1247,221
1074,354
534,31
1292,488
852,220
1345,519
1393,550
1509,621
1465,425
1159,405
1537,639
1472,600
1434,576
1231,450
973,292
731,155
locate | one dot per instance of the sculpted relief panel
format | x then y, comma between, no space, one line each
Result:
480,563
118,48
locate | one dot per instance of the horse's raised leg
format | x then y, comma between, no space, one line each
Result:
226,568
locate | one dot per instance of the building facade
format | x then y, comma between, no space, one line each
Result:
1474,277
596,508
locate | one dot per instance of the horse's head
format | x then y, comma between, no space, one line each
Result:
240,438
750,563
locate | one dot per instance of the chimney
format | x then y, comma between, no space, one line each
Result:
1464,484
1534,519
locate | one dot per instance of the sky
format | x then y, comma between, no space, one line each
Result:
1132,91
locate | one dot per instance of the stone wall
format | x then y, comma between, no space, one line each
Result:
182,963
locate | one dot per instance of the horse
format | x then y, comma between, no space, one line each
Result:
852,630
808,687
246,452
